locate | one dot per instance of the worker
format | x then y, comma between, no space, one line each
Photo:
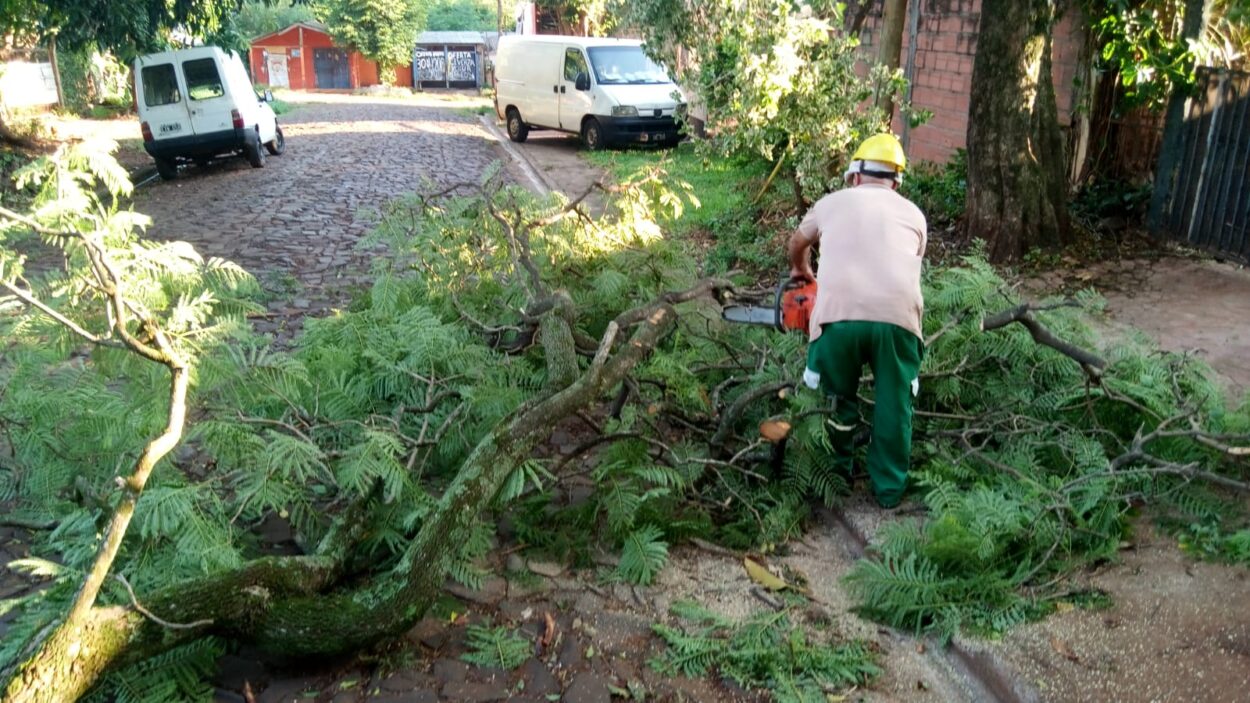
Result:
868,309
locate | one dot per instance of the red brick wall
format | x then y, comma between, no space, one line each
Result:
946,43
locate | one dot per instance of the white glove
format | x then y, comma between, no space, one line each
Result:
811,379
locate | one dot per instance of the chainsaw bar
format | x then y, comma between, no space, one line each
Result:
751,315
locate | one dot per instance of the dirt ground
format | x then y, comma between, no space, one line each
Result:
1185,303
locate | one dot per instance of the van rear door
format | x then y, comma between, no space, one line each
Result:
163,106
209,103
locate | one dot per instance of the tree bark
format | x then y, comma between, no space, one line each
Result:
891,47
293,607
1016,196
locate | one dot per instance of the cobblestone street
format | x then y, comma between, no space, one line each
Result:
295,223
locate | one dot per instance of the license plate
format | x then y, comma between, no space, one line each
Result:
171,128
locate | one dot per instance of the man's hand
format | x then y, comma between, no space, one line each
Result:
802,275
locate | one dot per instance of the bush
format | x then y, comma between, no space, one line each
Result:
939,190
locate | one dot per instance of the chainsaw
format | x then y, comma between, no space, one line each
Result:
791,310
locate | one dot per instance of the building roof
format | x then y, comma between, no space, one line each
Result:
310,24
451,38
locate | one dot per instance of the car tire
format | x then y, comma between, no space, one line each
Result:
278,144
255,153
167,168
518,131
592,134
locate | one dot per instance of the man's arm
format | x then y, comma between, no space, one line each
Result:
801,243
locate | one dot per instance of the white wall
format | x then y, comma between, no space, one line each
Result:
24,84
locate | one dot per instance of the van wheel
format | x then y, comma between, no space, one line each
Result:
255,154
278,145
592,134
167,168
518,131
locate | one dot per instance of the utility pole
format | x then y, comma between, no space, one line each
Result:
56,71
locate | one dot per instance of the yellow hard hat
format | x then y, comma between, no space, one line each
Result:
884,148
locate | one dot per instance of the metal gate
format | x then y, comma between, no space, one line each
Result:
330,67
446,67
1202,189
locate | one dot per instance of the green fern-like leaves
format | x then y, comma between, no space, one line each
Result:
496,647
643,556
767,650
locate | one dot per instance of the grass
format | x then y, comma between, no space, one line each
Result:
736,230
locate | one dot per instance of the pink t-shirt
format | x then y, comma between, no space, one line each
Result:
872,242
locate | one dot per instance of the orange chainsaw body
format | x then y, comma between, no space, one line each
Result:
796,306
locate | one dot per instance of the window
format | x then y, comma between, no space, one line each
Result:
574,63
203,82
160,86
619,65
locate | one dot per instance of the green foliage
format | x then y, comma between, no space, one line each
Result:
939,190
779,79
469,15
383,31
125,28
176,676
496,647
643,556
256,18
768,650
726,210
1025,492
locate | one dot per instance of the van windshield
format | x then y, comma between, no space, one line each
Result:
625,65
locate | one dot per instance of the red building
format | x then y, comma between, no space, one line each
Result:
304,57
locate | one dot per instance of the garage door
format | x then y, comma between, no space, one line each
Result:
330,65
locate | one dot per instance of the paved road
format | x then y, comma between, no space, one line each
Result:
295,223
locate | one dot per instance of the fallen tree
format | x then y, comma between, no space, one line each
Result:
393,434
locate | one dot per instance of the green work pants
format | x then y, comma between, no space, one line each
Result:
893,354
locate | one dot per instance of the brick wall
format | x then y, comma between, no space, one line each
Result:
946,44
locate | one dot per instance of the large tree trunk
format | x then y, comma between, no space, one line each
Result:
1016,194
296,607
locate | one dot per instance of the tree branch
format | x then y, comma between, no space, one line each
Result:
1092,364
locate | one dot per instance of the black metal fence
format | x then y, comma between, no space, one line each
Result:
1202,188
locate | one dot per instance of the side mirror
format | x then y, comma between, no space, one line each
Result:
583,81
268,96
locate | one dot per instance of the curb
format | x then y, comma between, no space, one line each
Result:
538,183
984,677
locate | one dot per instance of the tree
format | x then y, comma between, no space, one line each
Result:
1017,188
779,81
126,28
470,15
259,17
384,31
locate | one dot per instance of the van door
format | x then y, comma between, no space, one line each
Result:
209,102
163,106
541,64
574,104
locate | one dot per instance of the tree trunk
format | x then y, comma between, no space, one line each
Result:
294,607
891,47
1016,196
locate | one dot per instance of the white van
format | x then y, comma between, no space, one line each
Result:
606,90
195,104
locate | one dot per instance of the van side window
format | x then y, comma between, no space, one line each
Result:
160,85
203,81
574,63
